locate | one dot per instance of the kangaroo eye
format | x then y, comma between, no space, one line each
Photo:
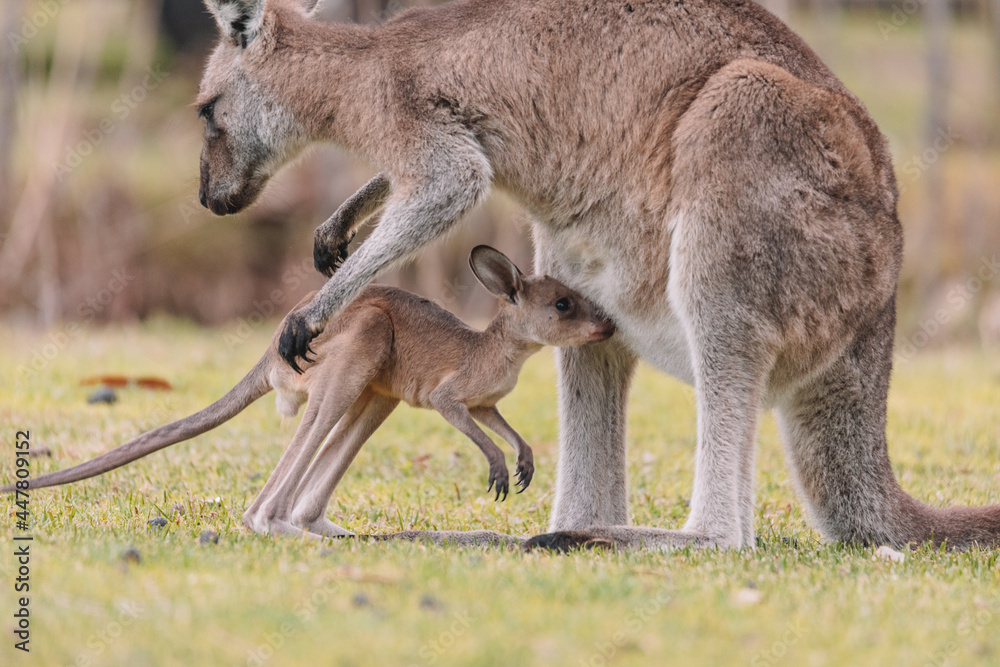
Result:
563,304
207,111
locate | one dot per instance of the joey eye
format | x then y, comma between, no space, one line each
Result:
563,304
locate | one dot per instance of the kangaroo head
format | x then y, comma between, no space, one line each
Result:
541,308
249,134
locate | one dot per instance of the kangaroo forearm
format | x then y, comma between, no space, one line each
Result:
333,237
410,221
355,210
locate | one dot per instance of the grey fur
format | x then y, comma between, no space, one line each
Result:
692,167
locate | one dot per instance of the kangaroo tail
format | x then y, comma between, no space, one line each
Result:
962,527
254,385
834,430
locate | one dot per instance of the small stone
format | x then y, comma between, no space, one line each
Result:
360,600
746,597
105,395
131,555
179,509
889,554
209,537
158,522
430,603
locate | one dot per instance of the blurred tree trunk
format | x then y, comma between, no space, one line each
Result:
371,11
993,8
826,16
10,81
54,121
936,122
936,18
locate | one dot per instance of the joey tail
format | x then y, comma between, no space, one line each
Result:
254,385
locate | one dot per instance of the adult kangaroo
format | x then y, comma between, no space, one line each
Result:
691,167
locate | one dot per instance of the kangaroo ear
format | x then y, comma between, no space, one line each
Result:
496,272
239,20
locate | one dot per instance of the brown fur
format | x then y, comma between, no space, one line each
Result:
388,346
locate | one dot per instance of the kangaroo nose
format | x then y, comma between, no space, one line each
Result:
203,198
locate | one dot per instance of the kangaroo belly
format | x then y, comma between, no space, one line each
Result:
625,272
661,342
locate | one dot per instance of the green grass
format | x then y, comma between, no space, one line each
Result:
352,603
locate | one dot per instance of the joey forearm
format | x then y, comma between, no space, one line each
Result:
493,420
458,415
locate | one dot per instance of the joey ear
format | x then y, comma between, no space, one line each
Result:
239,20
496,272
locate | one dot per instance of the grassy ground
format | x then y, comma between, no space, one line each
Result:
252,600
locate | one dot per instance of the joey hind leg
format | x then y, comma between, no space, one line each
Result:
328,468
253,517
270,513
352,360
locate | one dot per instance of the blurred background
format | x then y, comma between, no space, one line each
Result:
99,146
